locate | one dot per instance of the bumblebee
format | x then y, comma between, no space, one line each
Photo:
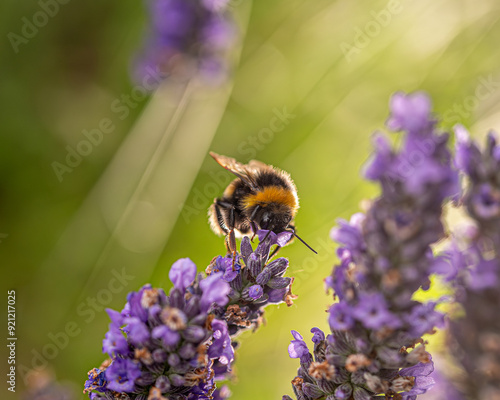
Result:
261,197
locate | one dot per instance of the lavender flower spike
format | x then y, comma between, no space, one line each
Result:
177,346
187,38
166,346
254,283
375,346
475,258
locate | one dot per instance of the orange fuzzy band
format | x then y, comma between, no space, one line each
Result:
272,194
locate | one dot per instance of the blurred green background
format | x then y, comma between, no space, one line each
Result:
138,200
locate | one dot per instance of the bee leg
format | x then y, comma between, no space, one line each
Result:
231,235
254,230
220,218
232,246
228,226
252,222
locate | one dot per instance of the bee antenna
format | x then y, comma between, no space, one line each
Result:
309,247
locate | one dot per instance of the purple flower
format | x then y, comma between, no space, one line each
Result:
114,342
229,269
475,260
255,282
371,310
280,239
298,348
187,38
221,346
137,331
339,280
215,290
178,346
343,392
484,275
168,343
255,292
340,317
96,381
349,233
219,34
464,151
319,335
485,201
168,336
424,318
222,393
121,375
443,266
443,388
135,306
385,256
277,295
409,112
116,317
421,369
182,273
423,381
381,160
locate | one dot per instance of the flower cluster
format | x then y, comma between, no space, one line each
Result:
165,346
177,346
475,258
376,346
254,282
188,37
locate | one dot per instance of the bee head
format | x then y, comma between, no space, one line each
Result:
275,217
272,218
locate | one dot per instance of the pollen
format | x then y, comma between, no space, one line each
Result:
149,298
155,394
144,355
403,383
236,316
198,375
273,194
173,318
355,362
297,382
321,370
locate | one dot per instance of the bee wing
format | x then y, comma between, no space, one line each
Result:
242,171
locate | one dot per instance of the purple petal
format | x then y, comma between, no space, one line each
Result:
169,337
137,331
255,292
318,336
215,290
221,347
340,317
121,375
409,112
182,273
